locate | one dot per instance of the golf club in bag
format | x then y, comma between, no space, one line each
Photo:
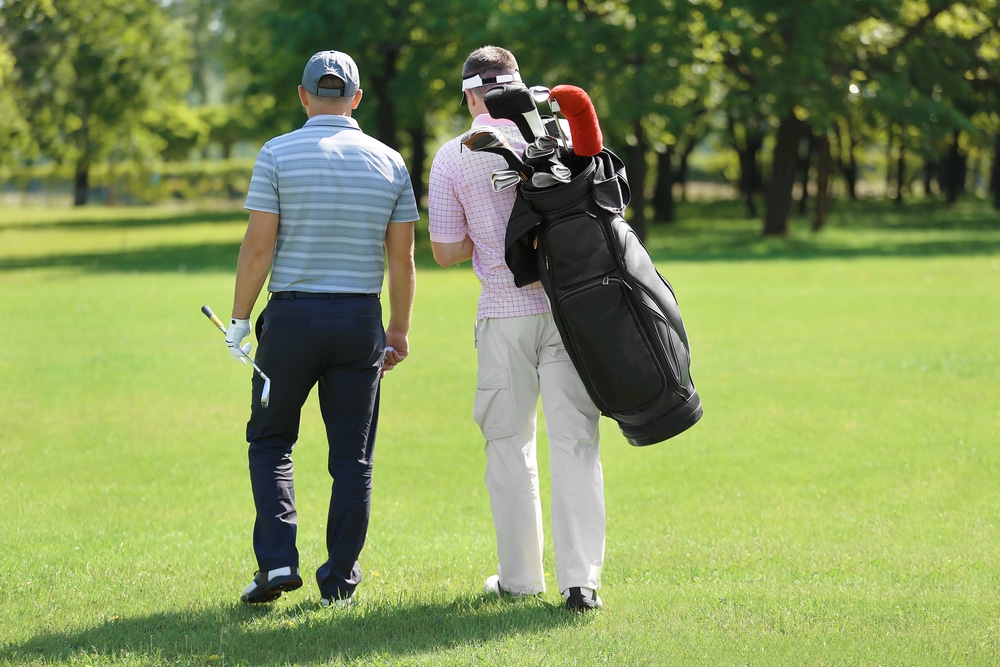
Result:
265,394
618,316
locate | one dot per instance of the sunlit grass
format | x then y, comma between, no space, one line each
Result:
837,504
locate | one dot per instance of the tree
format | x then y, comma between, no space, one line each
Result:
409,60
89,71
15,135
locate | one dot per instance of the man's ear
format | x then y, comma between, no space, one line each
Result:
303,97
357,99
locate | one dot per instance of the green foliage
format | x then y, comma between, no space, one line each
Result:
116,80
88,71
15,137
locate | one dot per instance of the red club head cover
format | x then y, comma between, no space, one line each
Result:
575,104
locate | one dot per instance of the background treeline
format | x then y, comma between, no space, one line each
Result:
792,103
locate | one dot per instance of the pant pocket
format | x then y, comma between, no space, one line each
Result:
493,408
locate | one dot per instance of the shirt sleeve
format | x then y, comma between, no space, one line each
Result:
447,221
406,203
262,194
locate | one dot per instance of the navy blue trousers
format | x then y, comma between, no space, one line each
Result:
338,344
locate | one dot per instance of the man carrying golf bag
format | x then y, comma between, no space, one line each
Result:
520,356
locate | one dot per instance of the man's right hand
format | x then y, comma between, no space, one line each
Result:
397,349
237,331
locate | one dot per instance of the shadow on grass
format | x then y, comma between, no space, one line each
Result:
161,259
119,218
705,232
721,231
205,257
300,633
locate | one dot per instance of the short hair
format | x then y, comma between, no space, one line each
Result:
486,61
331,82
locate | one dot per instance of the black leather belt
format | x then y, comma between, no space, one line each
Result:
330,296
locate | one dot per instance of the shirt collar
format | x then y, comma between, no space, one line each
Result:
486,119
333,120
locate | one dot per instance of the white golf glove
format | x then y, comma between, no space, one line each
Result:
237,331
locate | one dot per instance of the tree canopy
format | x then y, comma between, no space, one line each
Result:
780,83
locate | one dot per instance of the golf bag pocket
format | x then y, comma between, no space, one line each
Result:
600,325
585,257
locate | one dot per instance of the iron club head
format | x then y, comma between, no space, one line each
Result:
265,394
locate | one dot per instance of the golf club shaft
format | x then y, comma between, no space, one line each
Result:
217,322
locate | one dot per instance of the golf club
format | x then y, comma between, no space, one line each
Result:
514,102
265,394
542,147
491,140
542,94
577,107
504,179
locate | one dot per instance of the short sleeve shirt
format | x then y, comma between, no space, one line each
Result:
461,202
336,190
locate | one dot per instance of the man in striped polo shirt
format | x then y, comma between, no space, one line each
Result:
520,355
331,210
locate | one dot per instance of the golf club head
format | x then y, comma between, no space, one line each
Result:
265,394
560,172
504,179
539,94
481,138
536,150
492,140
543,179
514,102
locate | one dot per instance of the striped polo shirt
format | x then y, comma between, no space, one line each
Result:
461,201
336,190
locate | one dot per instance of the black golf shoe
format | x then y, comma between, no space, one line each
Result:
268,586
582,599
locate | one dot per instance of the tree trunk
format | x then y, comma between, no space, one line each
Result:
418,140
750,173
889,163
847,162
682,169
929,171
81,183
900,174
663,195
805,167
778,204
636,179
995,173
822,206
954,170
385,108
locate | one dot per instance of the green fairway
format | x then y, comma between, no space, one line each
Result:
838,504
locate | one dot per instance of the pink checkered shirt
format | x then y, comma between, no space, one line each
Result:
461,201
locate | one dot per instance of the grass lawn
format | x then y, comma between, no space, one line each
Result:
838,504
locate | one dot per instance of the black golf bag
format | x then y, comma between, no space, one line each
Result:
617,315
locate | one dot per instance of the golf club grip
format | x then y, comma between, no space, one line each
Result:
212,316
578,108
515,103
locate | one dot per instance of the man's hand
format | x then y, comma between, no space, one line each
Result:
397,349
237,331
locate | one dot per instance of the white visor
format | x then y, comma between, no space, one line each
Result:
476,80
